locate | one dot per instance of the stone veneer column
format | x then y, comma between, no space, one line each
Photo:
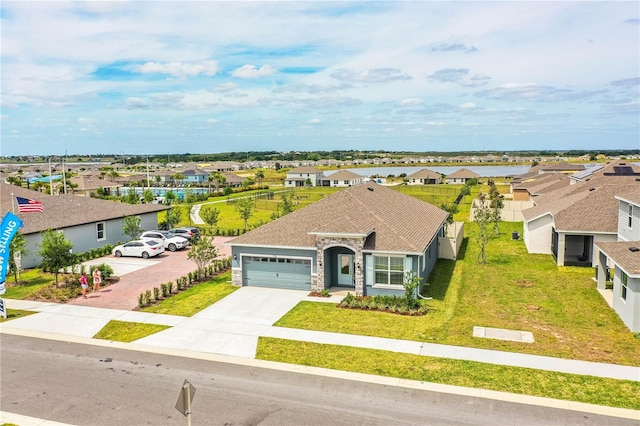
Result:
355,244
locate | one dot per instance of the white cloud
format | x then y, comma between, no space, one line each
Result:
179,69
411,102
136,103
250,71
212,120
315,121
468,105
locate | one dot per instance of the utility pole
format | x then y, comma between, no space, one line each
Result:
64,173
50,179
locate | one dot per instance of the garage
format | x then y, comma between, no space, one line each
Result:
276,272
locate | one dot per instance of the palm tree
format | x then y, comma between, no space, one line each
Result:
218,178
260,176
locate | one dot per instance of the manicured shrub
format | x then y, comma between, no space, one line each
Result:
156,293
141,301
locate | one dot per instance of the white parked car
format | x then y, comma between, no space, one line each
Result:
139,248
169,243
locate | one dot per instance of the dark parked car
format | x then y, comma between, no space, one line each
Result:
189,232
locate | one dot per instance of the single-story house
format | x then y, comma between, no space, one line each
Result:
301,175
461,176
364,238
343,178
424,177
86,222
86,184
568,221
623,257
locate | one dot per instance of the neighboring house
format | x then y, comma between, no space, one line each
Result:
561,167
364,238
461,176
538,185
343,178
568,221
86,222
86,184
233,180
193,175
623,256
424,177
301,175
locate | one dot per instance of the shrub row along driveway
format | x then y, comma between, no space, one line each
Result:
138,275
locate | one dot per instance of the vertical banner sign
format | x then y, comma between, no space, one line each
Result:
8,228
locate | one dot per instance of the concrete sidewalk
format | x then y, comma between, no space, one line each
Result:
222,329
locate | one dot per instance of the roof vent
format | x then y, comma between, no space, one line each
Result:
634,249
370,188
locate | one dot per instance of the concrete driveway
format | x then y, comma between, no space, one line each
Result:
232,325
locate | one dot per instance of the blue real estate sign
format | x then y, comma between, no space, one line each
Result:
8,228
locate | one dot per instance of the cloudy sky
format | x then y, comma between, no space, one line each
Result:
173,77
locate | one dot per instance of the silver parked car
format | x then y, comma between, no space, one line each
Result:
171,243
139,248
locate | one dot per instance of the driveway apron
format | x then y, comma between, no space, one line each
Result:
232,325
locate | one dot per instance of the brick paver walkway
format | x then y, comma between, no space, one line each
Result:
162,269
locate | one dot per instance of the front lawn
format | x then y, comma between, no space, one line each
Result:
31,282
196,298
121,331
15,314
587,389
514,290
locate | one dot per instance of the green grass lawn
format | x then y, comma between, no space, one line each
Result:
434,194
15,314
31,282
196,298
587,389
515,290
121,331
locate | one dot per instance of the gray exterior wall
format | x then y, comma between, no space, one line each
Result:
85,237
624,232
629,309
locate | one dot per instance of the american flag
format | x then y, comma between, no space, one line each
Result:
28,205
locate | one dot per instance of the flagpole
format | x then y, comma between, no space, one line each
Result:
13,204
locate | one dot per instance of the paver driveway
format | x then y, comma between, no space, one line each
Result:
139,275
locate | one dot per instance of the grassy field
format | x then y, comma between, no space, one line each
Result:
196,298
120,331
434,194
587,389
560,306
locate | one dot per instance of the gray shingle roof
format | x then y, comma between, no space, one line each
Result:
586,206
397,222
62,211
463,174
425,174
343,175
619,252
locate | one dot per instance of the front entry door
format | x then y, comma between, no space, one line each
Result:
345,274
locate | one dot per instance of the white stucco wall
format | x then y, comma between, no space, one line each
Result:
537,234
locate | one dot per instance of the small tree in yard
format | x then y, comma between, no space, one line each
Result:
211,216
497,203
18,247
411,284
148,196
56,252
483,217
451,209
245,206
131,226
202,253
285,206
174,216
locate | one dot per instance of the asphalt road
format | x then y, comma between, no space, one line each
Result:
92,385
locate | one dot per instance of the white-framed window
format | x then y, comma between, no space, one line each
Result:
623,287
388,270
101,231
630,217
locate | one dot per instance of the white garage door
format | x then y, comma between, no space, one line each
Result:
276,272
